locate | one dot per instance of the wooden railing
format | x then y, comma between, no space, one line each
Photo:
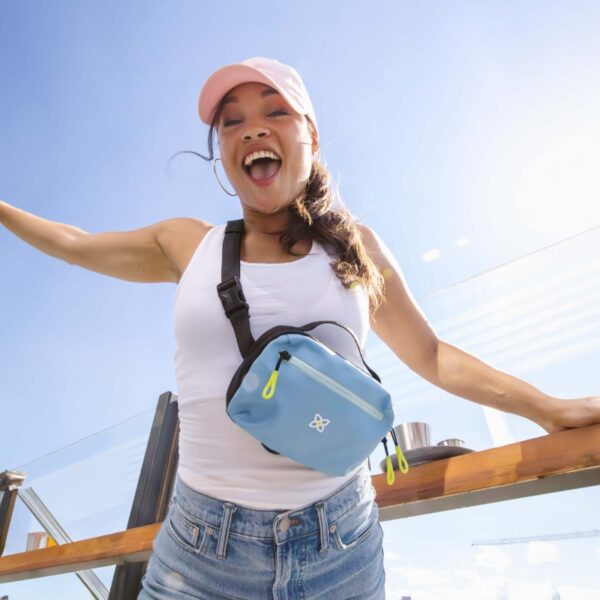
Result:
560,461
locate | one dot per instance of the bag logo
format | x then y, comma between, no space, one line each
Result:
319,423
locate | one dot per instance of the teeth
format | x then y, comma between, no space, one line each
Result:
260,154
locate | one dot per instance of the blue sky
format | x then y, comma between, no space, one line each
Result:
465,133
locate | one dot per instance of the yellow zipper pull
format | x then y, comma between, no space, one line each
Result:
267,394
269,389
390,476
402,462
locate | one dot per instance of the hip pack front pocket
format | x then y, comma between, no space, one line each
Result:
337,388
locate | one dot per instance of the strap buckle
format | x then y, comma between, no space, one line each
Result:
232,296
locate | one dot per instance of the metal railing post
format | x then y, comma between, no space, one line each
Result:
154,489
10,482
53,528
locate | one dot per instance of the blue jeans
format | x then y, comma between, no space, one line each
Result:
210,549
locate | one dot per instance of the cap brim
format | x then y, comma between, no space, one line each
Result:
226,78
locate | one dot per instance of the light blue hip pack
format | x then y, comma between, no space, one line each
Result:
297,396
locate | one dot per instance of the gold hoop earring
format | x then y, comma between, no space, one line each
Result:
215,170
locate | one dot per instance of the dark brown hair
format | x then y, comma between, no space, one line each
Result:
319,213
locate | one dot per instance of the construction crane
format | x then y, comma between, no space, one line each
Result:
538,538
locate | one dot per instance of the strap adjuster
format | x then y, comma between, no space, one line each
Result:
232,296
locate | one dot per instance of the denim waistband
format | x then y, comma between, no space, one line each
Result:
279,526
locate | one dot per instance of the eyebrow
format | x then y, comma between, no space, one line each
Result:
263,94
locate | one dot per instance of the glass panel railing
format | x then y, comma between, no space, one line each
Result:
88,488
536,318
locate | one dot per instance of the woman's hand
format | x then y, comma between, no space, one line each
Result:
570,414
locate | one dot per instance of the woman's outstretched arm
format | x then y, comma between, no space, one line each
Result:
50,237
141,255
401,324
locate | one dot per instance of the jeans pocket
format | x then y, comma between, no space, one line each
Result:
185,531
355,527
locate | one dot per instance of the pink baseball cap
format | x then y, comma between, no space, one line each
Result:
283,78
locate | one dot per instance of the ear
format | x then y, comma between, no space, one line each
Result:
315,142
314,134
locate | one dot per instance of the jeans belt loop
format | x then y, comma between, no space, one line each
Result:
323,526
228,511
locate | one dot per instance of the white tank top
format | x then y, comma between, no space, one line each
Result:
216,456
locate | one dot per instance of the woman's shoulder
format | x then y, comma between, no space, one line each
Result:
181,237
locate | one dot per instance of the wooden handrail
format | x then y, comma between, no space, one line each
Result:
560,461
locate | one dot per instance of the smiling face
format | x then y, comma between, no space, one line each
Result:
254,115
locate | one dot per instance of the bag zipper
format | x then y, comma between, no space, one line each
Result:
321,378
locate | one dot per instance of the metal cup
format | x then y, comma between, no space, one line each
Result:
413,435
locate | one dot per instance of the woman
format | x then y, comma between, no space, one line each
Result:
245,523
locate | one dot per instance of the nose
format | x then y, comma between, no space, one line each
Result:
258,132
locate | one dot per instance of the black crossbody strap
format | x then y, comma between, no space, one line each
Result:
316,323
230,289
234,302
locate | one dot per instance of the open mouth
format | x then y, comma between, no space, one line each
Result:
263,171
